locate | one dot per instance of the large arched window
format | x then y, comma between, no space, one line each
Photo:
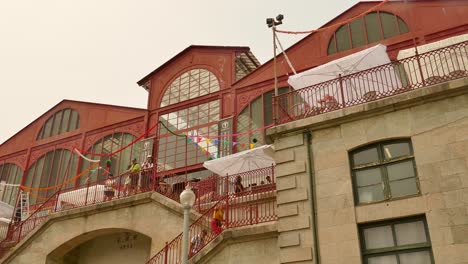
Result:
200,121
62,121
189,85
10,174
255,115
54,168
119,161
371,28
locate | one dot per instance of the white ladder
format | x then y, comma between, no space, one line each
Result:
24,205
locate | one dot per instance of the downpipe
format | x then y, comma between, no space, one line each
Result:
313,203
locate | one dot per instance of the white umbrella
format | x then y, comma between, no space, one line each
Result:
257,158
384,79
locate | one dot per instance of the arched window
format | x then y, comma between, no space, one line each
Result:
54,168
10,174
62,121
371,28
189,85
255,115
384,171
200,121
119,162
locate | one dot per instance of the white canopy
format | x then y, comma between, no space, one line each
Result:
93,194
6,210
355,89
257,158
441,64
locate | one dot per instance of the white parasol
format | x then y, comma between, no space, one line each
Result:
257,158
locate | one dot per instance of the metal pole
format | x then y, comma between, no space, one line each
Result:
185,235
274,60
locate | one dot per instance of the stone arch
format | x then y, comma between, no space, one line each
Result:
110,245
149,213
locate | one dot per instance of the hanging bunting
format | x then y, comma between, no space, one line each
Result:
207,141
252,146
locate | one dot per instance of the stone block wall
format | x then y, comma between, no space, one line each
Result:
436,121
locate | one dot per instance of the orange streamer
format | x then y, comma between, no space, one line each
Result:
62,184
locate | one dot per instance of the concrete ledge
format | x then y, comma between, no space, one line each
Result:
134,200
366,110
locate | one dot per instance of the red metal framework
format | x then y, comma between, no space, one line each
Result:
430,68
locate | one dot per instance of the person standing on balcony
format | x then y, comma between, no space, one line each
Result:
134,175
146,172
238,187
109,191
217,221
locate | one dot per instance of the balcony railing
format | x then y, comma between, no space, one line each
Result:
255,204
209,192
397,77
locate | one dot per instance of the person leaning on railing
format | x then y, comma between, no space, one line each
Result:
146,170
134,173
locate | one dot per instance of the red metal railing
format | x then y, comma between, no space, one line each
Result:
255,204
414,72
214,189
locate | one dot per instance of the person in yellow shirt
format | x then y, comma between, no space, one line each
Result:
217,221
134,175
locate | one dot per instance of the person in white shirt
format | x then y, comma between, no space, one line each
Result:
109,191
146,172
197,242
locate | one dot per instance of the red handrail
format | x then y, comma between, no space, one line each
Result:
421,70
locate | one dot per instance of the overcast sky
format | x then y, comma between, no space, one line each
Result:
96,50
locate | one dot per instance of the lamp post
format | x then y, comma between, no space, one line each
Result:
272,23
187,199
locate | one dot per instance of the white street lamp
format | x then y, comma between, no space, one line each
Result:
187,199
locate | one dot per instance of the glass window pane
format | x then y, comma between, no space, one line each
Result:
391,259
357,33
342,38
410,233
396,150
365,157
421,257
372,27
73,121
65,121
400,170
57,121
189,85
268,104
48,128
403,26
403,187
368,177
378,237
370,194
388,25
331,46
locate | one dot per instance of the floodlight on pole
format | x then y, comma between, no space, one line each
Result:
187,199
272,23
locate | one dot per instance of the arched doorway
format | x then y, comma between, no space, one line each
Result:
102,247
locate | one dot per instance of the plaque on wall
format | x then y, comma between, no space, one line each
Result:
225,139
